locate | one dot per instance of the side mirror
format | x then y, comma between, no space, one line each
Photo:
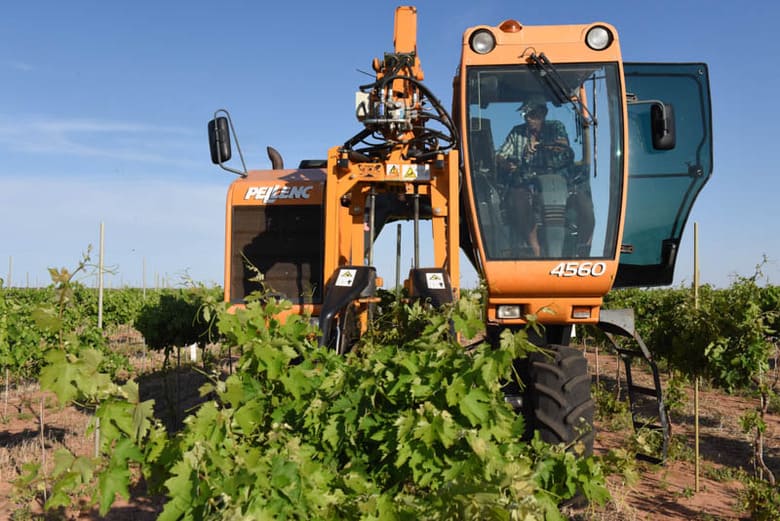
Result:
219,140
662,123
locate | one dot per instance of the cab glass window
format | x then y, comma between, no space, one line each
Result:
546,168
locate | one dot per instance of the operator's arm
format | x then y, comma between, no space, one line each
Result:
512,147
509,154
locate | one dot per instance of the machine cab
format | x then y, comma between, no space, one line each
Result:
574,159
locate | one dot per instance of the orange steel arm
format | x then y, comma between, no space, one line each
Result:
405,36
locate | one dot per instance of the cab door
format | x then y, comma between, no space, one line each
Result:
665,176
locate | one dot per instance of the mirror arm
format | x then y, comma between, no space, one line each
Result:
632,99
238,146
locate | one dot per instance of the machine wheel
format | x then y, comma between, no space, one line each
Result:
556,399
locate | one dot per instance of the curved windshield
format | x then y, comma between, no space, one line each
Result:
545,158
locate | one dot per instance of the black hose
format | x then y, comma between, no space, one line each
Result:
430,139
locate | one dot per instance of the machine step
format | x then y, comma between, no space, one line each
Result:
645,403
647,391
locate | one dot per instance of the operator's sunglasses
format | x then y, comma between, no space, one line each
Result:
536,113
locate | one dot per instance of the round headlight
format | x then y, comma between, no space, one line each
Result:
598,38
482,41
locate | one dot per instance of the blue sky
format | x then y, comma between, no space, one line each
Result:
103,111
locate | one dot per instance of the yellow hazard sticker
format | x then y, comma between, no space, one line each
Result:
408,172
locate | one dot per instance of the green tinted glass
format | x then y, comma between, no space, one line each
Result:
663,184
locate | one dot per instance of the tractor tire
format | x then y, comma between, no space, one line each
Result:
556,398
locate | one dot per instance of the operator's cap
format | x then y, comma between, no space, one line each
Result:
535,102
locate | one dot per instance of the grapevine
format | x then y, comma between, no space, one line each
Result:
409,425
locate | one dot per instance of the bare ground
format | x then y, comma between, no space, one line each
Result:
669,491
662,492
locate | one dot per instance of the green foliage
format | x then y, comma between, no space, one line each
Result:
674,329
73,369
773,407
32,318
761,500
130,437
609,409
723,473
674,393
726,339
20,339
178,317
621,462
407,426
645,440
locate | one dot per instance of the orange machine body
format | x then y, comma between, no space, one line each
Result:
397,172
300,228
256,205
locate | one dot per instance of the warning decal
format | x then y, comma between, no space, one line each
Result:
435,280
408,172
346,278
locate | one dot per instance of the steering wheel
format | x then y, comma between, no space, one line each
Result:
556,155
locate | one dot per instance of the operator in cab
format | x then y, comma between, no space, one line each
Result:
533,147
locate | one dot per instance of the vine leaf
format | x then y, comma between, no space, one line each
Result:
116,479
112,482
46,319
476,406
60,377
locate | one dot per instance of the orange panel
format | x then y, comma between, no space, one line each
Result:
279,187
